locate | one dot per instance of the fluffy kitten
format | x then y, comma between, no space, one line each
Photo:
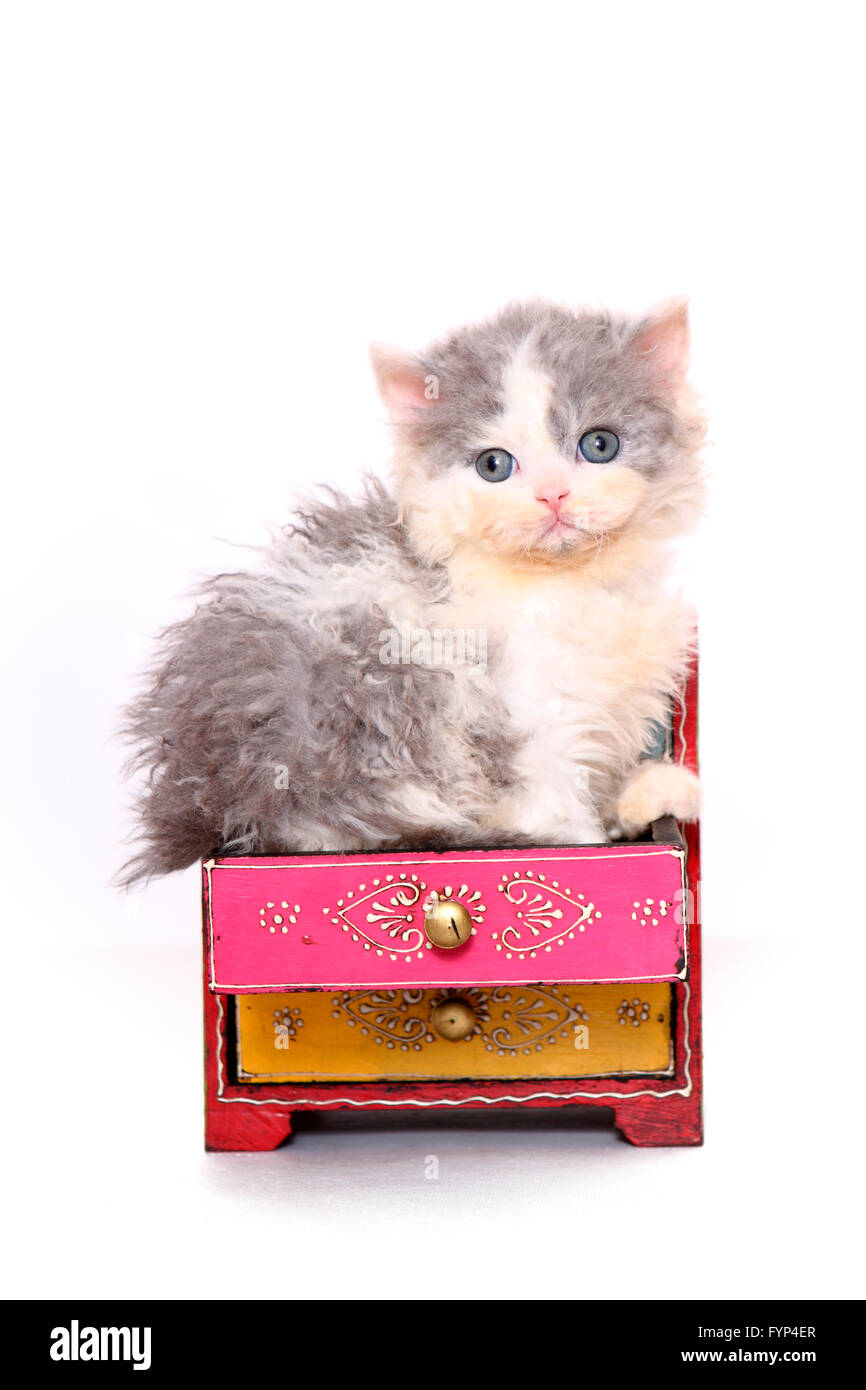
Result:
543,460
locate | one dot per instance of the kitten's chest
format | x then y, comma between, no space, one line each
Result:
560,673
570,663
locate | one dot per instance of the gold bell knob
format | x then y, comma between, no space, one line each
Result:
453,1019
447,923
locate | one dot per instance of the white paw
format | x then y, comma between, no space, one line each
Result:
658,789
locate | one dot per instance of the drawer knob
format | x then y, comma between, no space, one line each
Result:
453,1019
447,923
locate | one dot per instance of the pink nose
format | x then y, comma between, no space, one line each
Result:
552,498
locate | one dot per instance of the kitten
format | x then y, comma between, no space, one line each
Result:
479,659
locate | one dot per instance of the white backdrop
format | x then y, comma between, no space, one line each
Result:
210,209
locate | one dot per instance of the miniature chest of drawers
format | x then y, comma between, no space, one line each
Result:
548,976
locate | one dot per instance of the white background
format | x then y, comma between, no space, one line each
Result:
209,209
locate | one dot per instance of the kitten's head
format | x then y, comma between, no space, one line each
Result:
545,436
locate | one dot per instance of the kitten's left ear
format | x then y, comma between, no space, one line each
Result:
404,384
662,340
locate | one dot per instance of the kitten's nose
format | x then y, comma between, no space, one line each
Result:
552,497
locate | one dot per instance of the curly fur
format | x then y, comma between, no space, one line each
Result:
282,671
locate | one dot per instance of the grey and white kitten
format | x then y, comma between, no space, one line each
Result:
479,657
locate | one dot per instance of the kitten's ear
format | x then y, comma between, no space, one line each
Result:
404,384
661,340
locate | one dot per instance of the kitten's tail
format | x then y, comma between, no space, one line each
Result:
175,833
168,726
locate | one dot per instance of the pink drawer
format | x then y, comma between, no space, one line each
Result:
592,914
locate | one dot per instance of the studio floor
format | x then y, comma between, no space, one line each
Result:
113,1195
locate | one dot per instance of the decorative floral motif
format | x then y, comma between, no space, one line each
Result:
529,1019
277,917
635,1012
390,907
287,1021
388,1015
388,915
540,907
508,1022
649,911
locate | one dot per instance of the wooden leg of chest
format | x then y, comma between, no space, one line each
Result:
235,1119
245,1128
651,1122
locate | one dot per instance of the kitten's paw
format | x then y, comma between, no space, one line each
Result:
657,789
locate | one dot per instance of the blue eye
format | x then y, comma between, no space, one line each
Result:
495,465
599,446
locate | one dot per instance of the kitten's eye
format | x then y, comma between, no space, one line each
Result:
495,465
599,446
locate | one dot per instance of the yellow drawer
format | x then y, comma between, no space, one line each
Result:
511,1031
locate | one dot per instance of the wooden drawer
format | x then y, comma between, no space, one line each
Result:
516,1031
590,914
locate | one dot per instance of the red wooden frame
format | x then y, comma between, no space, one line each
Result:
648,1111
